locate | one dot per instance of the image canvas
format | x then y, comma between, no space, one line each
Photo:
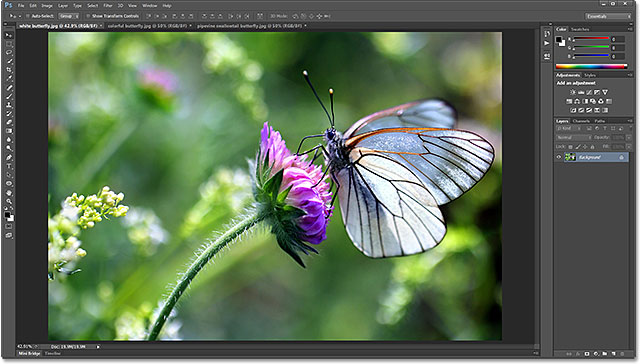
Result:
185,202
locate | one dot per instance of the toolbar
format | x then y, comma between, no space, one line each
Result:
8,132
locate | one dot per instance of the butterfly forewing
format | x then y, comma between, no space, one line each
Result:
448,162
385,207
430,113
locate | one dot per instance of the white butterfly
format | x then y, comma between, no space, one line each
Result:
395,167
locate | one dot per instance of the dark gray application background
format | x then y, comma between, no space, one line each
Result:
592,210
593,215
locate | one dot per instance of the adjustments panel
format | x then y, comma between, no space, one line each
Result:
594,94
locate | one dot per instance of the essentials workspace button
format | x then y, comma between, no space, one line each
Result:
607,16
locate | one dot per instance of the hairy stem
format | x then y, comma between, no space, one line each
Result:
209,252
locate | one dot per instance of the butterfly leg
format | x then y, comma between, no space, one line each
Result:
314,149
324,174
315,152
324,154
334,179
315,155
333,199
305,138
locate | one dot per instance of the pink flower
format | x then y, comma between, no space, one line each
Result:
311,197
301,201
307,192
158,79
272,145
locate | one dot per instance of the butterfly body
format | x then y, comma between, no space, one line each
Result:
337,152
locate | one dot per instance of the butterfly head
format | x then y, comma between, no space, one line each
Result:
332,135
329,134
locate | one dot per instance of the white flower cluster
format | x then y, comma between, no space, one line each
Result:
144,229
232,186
134,325
78,213
95,207
129,326
226,192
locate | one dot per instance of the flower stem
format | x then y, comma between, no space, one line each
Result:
245,224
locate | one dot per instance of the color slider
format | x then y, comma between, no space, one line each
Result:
589,38
561,66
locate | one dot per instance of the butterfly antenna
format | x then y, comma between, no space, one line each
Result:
333,116
306,77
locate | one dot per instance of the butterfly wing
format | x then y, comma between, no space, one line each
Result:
390,192
385,208
448,162
430,113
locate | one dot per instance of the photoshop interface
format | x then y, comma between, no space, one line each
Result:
463,183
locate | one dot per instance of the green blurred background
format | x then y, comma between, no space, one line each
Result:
170,119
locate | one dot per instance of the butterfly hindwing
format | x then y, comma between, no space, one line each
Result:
385,207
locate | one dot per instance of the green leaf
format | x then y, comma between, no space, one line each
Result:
289,212
283,195
265,171
272,186
287,233
288,248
